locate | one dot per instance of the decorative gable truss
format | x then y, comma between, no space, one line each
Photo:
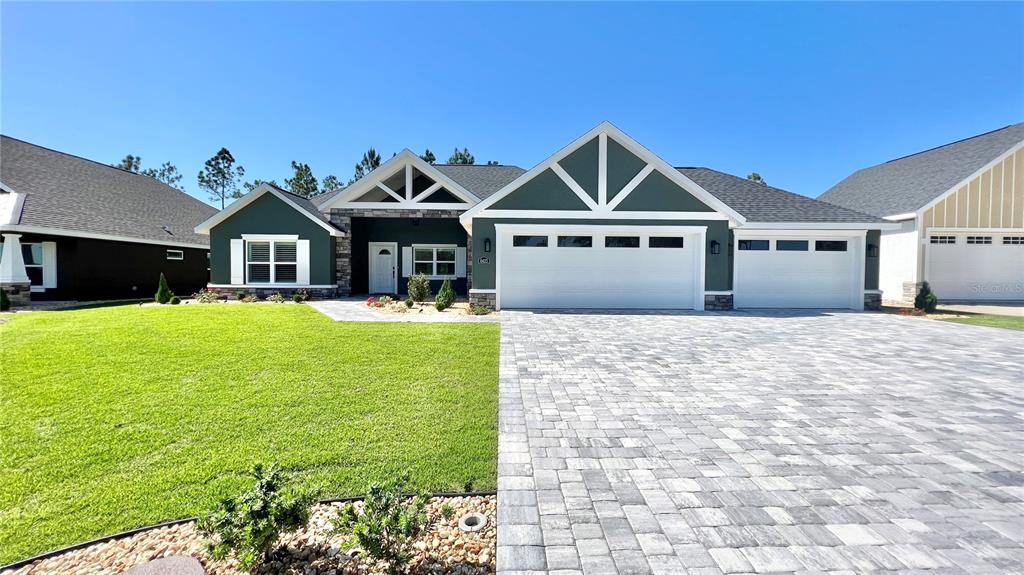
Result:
604,174
405,182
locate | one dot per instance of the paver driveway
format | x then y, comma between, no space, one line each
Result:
741,442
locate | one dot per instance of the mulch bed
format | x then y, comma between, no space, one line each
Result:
442,549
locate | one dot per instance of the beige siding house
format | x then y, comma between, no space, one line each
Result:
961,213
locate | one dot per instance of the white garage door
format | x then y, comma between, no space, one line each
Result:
600,267
980,266
798,272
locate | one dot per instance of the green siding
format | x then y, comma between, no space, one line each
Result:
546,191
657,193
622,167
871,264
582,166
269,215
717,273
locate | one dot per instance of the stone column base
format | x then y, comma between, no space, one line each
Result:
19,294
910,290
872,301
485,299
717,302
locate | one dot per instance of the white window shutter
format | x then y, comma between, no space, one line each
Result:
49,265
302,259
460,262
237,262
406,261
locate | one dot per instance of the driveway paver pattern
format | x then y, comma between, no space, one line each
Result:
758,443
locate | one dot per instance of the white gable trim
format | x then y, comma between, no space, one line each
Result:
204,228
1013,150
603,209
404,160
10,212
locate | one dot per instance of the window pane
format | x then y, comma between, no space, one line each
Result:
175,255
259,252
284,273
791,245
259,273
423,255
35,275
663,242
32,254
754,245
530,241
575,241
446,255
445,269
423,268
622,242
284,251
830,245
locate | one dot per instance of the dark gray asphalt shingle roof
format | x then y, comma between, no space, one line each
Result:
481,180
760,203
906,184
305,204
72,193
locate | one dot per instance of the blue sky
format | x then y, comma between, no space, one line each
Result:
802,93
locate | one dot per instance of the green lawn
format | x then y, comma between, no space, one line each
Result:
1004,321
116,417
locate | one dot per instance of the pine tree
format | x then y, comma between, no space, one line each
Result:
163,291
445,296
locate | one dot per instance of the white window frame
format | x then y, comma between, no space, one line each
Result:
175,255
41,266
273,263
433,261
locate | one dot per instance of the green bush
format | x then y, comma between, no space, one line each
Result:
926,299
249,525
175,300
240,296
163,291
479,309
408,302
447,511
419,288
275,298
300,296
206,296
385,525
5,303
445,296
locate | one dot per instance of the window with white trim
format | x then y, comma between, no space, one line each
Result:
175,255
1013,240
32,254
434,261
271,261
979,240
942,239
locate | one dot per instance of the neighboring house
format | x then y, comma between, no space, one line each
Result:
960,210
75,229
603,223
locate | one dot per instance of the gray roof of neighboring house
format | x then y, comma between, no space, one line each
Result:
79,195
306,204
481,180
760,203
907,184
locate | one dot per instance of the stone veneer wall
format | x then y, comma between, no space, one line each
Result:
717,302
342,219
488,300
872,301
314,293
20,294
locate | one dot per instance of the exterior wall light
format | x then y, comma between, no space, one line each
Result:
716,248
872,251
487,245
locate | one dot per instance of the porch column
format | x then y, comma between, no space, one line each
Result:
12,265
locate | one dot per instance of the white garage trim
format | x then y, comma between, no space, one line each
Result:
855,248
696,234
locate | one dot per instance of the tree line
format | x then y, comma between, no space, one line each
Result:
223,178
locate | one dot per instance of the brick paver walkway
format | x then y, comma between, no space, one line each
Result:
756,443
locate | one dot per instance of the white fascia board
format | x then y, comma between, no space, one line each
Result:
599,228
968,179
748,232
818,226
589,215
11,213
204,228
95,236
627,142
400,207
976,230
901,217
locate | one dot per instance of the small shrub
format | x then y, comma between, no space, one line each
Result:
385,524
240,296
206,296
5,303
479,309
468,486
175,300
445,296
447,511
275,298
250,298
300,296
163,291
249,525
384,301
419,288
926,299
408,302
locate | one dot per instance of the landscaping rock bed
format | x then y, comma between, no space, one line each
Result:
441,549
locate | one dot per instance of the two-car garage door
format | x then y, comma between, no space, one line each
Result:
542,266
981,266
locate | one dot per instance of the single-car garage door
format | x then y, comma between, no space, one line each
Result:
555,266
798,272
977,266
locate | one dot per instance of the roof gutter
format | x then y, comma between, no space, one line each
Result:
14,228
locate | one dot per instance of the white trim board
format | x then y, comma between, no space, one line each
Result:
975,231
204,228
818,226
589,215
20,229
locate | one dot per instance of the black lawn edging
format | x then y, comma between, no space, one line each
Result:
173,522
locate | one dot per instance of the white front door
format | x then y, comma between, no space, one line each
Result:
383,267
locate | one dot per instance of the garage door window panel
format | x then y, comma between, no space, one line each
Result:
754,245
1013,240
830,246
530,241
622,242
979,240
575,241
666,242
942,239
791,245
